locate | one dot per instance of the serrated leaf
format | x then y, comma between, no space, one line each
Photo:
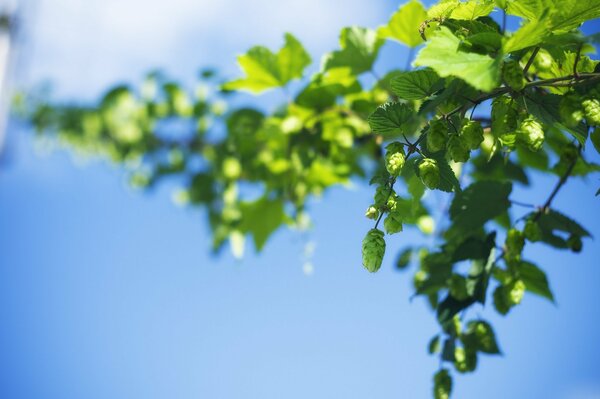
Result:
472,9
480,202
261,218
360,47
553,221
265,70
392,119
416,85
529,34
442,53
404,24
481,270
481,335
535,280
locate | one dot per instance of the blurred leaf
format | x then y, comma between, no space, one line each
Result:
360,47
404,24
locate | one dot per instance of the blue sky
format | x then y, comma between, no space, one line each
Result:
109,293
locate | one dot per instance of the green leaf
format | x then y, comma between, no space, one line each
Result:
404,24
360,47
404,258
480,202
481,270
481,335
434,345
265,70
535,280
450,307
416,85
472,9
572,13
443,55
554,221
324,88
392,119
261,218
528,35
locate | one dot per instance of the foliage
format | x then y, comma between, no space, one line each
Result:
536,93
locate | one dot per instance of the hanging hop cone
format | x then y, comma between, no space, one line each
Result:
437,135
472,134
442,384
458,151
512,74
429,173
372,212
394,158
532,231
373,249
515,241
531,133
591,109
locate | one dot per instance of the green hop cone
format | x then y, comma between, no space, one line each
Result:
515,241
437,135
574,242
392,201
458,151
465,360
472,134
373,249
419,278
381,195
429,173
232,168
394,158
513,76
442,384
543,61
372,212
571,109
514,292
531,133
392,223
504,120
591,110
532,231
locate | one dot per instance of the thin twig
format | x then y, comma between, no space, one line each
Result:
530,61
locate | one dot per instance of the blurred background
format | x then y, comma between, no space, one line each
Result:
107,293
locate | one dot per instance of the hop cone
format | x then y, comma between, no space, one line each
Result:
372,213
570,109
373,249
531,133
513,75
591,109
429,173
472,134
394,158
442,384
515,292
542,61
458,151
532,231
465,360
437,135
392,223
515,241
504,120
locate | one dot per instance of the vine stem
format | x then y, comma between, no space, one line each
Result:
530,61
554,82
561,182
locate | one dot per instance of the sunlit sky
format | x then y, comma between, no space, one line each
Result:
110,293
